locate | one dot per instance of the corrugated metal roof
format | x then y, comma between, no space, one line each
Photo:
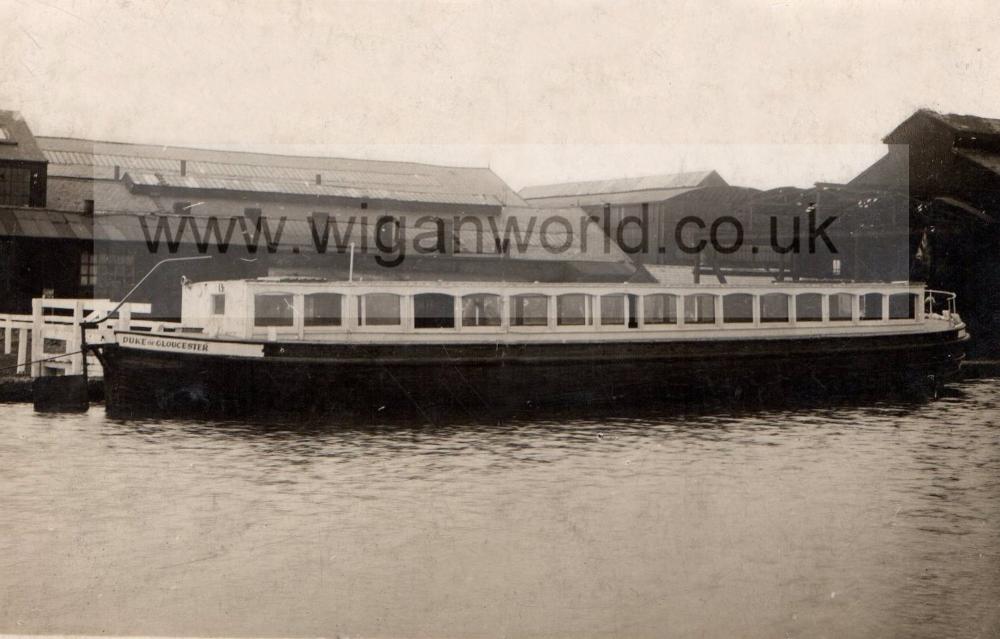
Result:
623,185
614,199
41,223
966,123
68,194
586,241
989,161
86,158
206,183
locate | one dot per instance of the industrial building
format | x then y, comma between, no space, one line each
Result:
81,218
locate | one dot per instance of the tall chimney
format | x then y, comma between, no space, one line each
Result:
319,179
118,172
184,167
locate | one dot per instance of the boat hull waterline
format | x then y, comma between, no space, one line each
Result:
149,375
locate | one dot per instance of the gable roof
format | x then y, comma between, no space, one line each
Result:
71,157
965,123
967,130
649,188
19,144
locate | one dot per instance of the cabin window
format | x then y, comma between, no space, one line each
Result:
699,309
660,308
737,308
774,307
903,306
219,304
871,306
841,307
809,307
324,309
574,309
481,309
433,310
379,309
529,309
613,310
273,309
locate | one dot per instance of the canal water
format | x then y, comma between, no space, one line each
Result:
871,520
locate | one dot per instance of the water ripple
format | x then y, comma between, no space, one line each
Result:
865,519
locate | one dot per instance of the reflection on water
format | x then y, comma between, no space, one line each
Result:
853,521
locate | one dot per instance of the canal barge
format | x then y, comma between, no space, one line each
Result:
299,345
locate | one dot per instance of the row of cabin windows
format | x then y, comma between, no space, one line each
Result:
437,310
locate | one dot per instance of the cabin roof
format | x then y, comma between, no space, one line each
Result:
707,283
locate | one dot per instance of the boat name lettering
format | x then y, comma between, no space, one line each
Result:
168,344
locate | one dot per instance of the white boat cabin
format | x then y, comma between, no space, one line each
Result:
271,309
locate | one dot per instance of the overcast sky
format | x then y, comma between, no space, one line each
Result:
767,93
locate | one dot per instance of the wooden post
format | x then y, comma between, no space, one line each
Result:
8,336
75,341
37,336
22,351
125,317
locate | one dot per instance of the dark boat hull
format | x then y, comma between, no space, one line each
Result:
479,379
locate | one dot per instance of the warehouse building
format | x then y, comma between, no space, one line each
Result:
81,218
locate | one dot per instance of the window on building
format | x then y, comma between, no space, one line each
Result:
737,308
379,309
88,269
699,309
660,308
481,309
273,309
841,307
774,307
323,309
809,307
574,309
871,306
529,309
219,304
15,186
4,135
835,267
433,310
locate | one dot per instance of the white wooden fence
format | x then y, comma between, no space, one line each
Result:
56,322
